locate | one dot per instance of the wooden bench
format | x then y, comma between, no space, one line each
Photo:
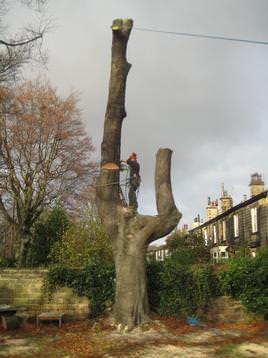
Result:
49,316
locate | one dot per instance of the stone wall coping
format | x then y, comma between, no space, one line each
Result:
23,270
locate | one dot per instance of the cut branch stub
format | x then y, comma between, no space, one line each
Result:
122,27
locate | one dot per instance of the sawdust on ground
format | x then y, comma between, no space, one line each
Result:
163,338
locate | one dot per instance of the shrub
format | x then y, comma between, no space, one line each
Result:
83,243
206,285
95,281
154,283
188,248
7,262
247,279
82,260
176,289
46,232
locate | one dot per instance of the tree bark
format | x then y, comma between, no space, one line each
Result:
25,242
130,232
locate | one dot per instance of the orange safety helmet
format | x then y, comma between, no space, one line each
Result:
133,156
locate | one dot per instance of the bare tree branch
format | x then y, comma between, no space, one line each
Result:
44,151
21,48
21,43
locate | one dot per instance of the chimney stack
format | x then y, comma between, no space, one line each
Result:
225,200
256,184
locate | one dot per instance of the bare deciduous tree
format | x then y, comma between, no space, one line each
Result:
18,49
130,232
45,154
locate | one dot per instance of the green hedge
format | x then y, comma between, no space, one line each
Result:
7,262
175,289
95,282
247,279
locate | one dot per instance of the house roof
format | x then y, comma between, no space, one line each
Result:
233,209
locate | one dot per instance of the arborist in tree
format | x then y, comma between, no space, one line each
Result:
134,179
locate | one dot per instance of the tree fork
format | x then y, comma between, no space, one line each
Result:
130,232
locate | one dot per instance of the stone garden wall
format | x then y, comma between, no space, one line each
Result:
24,288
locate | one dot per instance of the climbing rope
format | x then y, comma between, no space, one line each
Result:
127,181
122,183
113,183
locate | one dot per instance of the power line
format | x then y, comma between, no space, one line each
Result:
188,34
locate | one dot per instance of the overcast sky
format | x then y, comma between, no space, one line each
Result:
204,99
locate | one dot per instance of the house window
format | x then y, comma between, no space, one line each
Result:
224,230
215,234
254,219
223,254
236,228
206,236
161,255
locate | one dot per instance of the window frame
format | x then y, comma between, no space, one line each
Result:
236,225
254,219
215,236
223,230
206,236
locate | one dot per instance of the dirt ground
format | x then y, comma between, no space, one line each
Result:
162,338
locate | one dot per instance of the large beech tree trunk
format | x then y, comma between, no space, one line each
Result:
130,232
25,243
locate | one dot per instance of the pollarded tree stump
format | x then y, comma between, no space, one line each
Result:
130,232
